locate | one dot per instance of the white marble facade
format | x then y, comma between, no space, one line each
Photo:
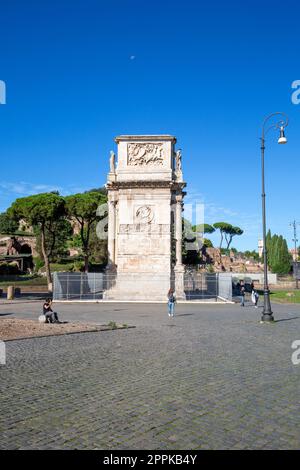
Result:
145,198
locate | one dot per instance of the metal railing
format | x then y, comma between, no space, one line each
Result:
78,286
197,286
200,286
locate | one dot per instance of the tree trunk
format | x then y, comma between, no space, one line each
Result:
86,263
221,240
46,259
85,243
229,241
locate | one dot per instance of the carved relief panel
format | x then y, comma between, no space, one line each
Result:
145,154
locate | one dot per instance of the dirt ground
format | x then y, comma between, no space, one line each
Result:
13,328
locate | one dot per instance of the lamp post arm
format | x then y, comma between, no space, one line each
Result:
281,123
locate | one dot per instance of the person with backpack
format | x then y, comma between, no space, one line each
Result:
171,302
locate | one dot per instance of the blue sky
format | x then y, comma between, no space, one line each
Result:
78,73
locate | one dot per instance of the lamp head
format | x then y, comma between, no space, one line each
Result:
282,138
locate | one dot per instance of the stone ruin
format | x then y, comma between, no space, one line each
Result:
232,263
17,245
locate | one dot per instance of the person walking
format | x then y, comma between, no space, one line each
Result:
254,296
171,303
242,293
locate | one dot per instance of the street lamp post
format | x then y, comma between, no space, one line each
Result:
295,240
267,314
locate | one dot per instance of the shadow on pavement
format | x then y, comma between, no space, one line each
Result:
286,319
184,314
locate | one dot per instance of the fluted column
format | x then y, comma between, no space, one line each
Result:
178,230
179,268
111,232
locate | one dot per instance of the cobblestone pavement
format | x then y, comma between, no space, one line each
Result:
211,378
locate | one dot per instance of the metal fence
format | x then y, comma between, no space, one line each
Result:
224,286
101,286
78,286
296,270
200,286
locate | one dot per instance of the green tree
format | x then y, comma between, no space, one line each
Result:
97,248
224,228
76,242
251,254
83,207
101,190
231,232
43,211
279,258
282,259
273,255
7,224
191,244
61,230
268,246
203,228
208,243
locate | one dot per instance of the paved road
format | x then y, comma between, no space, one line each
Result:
212,378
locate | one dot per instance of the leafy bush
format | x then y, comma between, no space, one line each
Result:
38,263
78,266
7,224
75,241
208,243
210,269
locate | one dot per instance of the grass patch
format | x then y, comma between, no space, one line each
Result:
22,280
59,267
286,296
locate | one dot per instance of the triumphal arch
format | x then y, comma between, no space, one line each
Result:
145,202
